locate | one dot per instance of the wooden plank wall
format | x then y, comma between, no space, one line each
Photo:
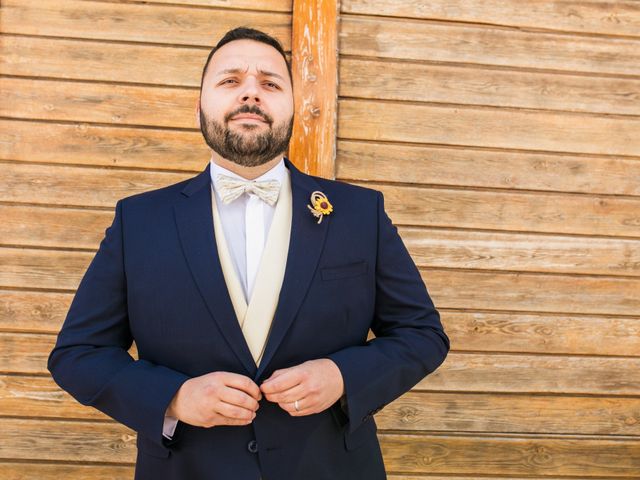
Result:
98,103
505,141
505,136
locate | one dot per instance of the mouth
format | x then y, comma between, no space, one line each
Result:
248,117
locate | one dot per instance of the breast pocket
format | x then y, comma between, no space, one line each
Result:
344,271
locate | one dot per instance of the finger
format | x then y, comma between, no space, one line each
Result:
283,382
234,411
237,397
243,383
286,396
305,407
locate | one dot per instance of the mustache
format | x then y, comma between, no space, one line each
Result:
251,109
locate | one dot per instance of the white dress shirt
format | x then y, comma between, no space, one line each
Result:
232,217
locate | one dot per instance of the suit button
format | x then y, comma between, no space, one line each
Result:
252,446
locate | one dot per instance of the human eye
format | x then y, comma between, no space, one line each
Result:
228,81
272,85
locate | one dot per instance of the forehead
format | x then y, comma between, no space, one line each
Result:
248,53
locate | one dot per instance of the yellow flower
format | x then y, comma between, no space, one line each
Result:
320,205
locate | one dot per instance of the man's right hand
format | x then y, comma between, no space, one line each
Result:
217,398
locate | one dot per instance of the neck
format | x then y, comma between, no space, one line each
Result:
248,173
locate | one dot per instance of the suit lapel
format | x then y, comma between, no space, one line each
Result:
305,246
194,221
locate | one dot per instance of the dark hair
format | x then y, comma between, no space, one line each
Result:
245,33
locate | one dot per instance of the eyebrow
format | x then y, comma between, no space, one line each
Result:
262,72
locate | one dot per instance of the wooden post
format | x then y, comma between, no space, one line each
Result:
314,53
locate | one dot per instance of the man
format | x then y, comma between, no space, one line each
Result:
249,291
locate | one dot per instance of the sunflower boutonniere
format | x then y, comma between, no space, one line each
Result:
320,205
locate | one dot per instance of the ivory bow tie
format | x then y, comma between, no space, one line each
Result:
231,188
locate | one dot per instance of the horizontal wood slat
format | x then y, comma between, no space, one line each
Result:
44,312
522,252
479,44
539,333
56,471
98,103
103,146
486,413
475,290
462,372
413,411
432,165
582,457
417,206
41,312
111,443
488,127
476,85
31,396
33,183
97,60
511,210
270,5
619,17
133,22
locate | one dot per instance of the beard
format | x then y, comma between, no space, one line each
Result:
246,147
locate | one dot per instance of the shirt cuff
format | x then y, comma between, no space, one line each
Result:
169,426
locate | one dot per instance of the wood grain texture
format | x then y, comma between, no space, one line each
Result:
34,396
445,248
535,374
513,413
471,84
41,312
135,22
529,292
620,17
487,45
96,145
30,182
488,127
98,60
540,333
512,170
43,226
460,455
98,103
56,471
315,80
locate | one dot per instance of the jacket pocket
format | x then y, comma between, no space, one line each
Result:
344,271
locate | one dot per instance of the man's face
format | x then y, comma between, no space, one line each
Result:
246,103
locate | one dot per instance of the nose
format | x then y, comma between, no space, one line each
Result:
250,92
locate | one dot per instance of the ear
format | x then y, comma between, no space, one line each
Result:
198,111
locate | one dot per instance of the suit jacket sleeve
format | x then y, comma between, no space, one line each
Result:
410,341
90,358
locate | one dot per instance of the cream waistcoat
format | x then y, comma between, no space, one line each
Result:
256,317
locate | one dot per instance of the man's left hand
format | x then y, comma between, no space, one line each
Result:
315,384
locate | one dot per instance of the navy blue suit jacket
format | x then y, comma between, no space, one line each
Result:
156,280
